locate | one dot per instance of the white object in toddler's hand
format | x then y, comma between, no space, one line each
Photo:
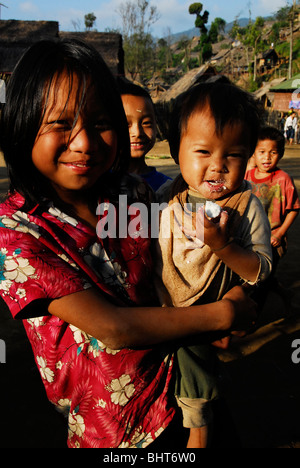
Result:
212,210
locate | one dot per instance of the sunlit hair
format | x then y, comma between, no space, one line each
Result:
228,104
273,134
26,102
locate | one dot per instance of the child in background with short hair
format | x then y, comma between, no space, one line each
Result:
140,114
213,133
275,189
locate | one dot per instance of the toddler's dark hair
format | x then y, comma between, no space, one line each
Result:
229,104
273,134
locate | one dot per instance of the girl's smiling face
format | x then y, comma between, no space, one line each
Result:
72,151
214,165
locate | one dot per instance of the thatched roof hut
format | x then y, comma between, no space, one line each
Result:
165,102
189,79
16,36
109,45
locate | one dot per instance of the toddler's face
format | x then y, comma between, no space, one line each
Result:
141,124
213,165
73,159
266,156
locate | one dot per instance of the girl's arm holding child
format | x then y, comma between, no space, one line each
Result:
120,327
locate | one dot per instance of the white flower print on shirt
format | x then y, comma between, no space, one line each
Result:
46,372
21,222
18,269
5,285
76,424
121,390
21,293
62,217
94,346
140,439
14,269
105,266
101,403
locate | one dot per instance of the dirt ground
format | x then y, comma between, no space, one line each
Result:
261,382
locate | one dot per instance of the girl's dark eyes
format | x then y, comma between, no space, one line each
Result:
59,125
65,125
103,124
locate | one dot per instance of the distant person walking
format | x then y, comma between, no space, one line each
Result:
289,128
296,127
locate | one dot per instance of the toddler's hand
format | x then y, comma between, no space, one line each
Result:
215,233
209,231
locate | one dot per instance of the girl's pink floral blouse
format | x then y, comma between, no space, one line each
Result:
111,398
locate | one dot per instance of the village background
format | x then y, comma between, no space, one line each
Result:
261,381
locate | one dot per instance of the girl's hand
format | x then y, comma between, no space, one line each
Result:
222,343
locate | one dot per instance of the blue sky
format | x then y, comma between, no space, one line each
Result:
173,13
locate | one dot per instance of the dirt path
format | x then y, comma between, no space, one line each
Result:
261,383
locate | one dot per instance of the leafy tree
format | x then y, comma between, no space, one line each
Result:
275,33
283,13
137,19
237,32
164,53
206,46
89,20
254,39
216,28
200,22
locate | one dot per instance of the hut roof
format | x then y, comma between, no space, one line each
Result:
266,87
27,31
193,76
288,85
270,53
109,45
16,36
